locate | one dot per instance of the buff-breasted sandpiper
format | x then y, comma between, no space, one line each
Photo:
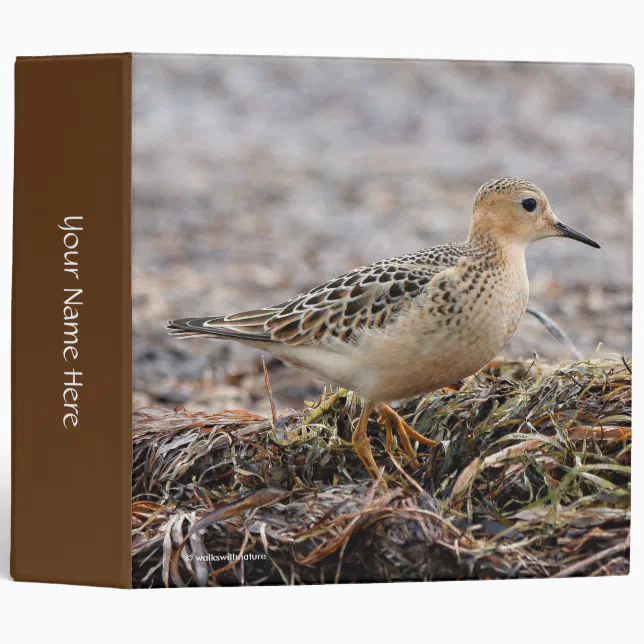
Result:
412,324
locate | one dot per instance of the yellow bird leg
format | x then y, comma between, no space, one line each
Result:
361,443
391,419
383,422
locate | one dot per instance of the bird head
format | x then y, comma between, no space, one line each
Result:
517,211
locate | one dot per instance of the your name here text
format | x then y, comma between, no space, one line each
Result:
72,303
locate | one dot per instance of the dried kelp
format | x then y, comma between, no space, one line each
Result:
531,478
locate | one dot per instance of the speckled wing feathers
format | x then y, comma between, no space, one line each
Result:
367,297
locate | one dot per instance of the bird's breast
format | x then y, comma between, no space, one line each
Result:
450,332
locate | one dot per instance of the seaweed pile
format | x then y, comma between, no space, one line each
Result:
531,478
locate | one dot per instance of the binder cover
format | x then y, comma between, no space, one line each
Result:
302,321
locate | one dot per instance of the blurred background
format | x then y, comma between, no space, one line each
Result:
258,178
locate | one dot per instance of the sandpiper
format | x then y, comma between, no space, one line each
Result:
412,324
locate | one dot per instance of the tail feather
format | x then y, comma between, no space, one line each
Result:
238,327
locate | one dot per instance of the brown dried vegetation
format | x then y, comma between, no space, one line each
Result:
531,479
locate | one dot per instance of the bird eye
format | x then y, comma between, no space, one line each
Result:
529,204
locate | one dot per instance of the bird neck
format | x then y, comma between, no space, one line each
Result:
501,247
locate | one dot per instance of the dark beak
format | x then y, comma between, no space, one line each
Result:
571,233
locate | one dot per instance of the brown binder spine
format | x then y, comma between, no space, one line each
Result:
71,321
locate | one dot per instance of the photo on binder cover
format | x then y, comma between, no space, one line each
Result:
381,320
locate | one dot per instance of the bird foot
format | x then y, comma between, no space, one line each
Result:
391,420
362,446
